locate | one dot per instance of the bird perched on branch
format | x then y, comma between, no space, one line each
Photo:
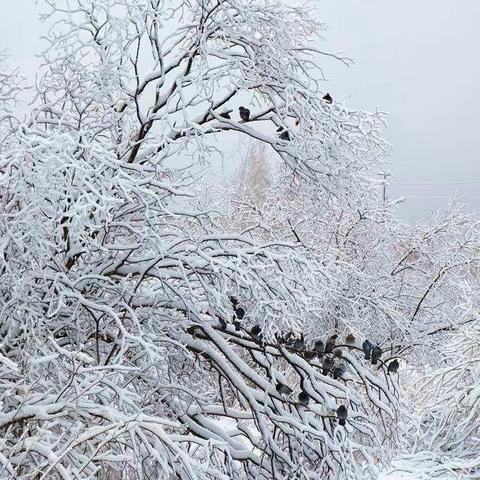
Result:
328,98
393,367
284,339
244,113
256,333
240,313
283,389
330,343
342,414
285,135
319,347
303,398
309,354
327,364
339,371
367,349
350,340
376,354
299,344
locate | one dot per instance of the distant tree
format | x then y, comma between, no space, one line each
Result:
252,183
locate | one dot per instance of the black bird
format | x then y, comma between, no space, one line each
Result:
240,312
283,389
289,345
319,347
285,135
367,349
299,344
256,333
233,301
303,398
330,343
328,98
327,364
237,325
338,352
289,337
309,355
339,371
376,354
342,414
226,115
283,339
244,113
393,366
350,340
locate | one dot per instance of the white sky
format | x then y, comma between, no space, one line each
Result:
417,60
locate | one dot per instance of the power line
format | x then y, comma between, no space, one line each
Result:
465,182
446,197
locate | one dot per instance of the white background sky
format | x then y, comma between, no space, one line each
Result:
416,59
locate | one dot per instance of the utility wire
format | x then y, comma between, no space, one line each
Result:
459,197
467,182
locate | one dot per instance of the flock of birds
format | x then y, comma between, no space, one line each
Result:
245,116
329,352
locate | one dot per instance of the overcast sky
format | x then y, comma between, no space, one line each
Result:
417,60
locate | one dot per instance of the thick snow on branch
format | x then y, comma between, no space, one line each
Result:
143,335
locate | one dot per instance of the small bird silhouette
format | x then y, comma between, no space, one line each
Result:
244,113
285,135
284,339
240,312
342,414
303,398
367,349
234,301
339,371
283,389
393,367
226,114
328,98
376,354
309,354
256,333
330,343
299,344
350,340
327,364
319,347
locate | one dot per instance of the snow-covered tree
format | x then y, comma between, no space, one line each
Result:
411,289
446,430
140,337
